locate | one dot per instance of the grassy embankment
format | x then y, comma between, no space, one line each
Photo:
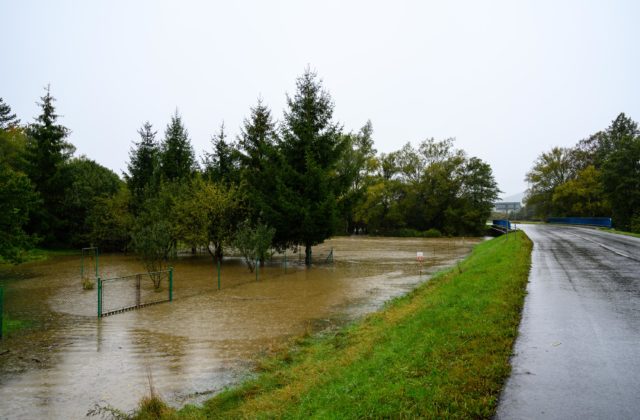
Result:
620,232
603,229
440,352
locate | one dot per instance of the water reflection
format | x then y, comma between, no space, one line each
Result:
201,342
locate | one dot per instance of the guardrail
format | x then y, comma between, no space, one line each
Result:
503,223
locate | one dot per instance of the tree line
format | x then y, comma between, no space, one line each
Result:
598,177
282,184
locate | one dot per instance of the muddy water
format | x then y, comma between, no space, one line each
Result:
206,339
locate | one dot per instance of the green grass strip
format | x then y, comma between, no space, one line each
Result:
440,352
12,325
620,232
42,254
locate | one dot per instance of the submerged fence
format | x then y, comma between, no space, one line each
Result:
126,293
323,258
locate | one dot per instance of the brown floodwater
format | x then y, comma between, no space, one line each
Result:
68,360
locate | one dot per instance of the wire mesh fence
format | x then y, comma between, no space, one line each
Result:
323,256
126,293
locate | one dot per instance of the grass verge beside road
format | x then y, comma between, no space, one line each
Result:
620,232
440,352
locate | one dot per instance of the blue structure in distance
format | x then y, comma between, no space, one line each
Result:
502,223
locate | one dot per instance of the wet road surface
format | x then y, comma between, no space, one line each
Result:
578,352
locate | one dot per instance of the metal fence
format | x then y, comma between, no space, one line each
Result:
126,293
503,223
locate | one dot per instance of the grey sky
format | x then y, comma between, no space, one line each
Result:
508,79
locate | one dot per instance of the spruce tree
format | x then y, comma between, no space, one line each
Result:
222,165
142,166
47,151
260,164
7,119
177,158
311,145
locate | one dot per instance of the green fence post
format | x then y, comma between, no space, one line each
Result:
170,284
97,252
1,309
218,273
99,298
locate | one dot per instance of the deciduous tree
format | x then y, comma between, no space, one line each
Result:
17,200
549,171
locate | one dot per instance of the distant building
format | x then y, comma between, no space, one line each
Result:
507,206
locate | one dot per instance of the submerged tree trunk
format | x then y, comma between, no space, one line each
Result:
218,252
307,254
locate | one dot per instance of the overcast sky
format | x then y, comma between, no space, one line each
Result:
507,79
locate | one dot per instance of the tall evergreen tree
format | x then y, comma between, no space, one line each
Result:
311,145
260,167
177,158
222,165
258,136
142,166
47,151
7,119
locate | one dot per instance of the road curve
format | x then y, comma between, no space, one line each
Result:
578,351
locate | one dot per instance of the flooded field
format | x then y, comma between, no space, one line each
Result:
68,360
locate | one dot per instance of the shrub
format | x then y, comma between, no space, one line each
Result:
432,233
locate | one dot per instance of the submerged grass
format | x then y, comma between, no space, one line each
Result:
42,254
441,351
12,325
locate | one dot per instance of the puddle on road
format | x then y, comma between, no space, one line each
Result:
202,341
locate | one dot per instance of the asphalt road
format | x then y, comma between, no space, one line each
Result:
578,352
